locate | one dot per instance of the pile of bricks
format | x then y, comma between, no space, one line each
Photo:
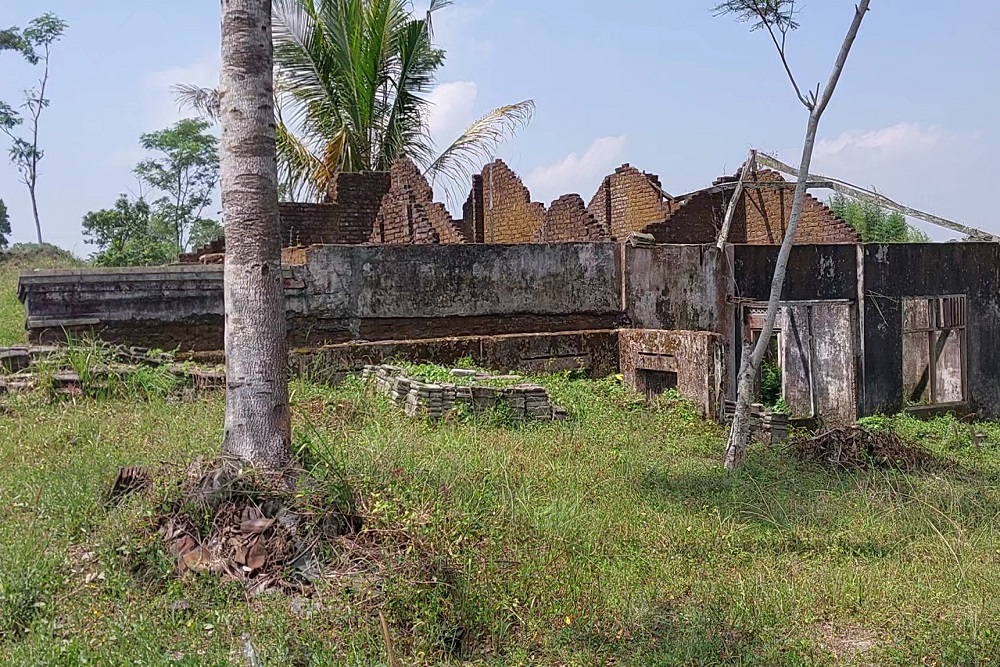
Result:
765,426
433,400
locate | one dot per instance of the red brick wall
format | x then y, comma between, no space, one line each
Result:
628,201
509,215
568,220
763,218
409,214
760,219
347,217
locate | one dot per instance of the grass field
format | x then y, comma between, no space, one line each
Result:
612,538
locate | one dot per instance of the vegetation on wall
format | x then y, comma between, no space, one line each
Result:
875,223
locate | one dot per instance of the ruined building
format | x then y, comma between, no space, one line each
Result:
398,208
863,329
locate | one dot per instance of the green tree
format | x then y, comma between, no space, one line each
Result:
4,226
185,174
875,223
350,95
34,43
129,234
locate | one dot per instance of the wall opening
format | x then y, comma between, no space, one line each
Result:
935,364
656,383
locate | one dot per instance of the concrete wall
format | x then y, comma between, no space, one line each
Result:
697,358
346,293
680,287
404,292
893,272
160,307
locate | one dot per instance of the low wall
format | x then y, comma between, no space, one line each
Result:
342,294
595,352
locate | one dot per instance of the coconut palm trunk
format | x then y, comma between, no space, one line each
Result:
257,427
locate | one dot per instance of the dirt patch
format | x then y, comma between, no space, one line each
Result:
856,447
846,642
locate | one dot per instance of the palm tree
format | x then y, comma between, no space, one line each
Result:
258,426
352,76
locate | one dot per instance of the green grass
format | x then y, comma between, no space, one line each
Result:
612,538
615,536
23,257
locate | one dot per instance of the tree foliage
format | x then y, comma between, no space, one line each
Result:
34,43
185,174
352,80
4,226
875,223
129,234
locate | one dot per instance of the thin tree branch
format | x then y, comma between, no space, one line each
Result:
780,46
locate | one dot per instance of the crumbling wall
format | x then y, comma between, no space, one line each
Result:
346,218
629,201
696,361
679,287
567,219
764,214
760,218
408,213
509,215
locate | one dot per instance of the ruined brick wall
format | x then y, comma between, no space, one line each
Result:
409,214
346,218
628,201
760,219
567,219
509,215
696,220
473,222
764,213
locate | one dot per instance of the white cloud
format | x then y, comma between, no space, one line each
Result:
452,109
928,167
895,139
162,108
576,171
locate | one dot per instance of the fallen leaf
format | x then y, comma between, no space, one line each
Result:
257,557
256,526
197,559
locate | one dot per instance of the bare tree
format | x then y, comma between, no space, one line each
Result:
778,18
258,428
35,44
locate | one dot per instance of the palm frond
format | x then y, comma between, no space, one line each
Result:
203,101
478,144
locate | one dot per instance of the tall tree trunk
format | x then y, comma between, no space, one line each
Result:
257,413
739,435
34,210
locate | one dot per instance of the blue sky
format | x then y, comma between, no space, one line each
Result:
662,85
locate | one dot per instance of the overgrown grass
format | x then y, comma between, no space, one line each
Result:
24,257
613,537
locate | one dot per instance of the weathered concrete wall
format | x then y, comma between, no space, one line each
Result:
347,293
678,287
162,307
595,352
404,292
893,272
697,358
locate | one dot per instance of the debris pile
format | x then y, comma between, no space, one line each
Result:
853,447
264,532
767,427
421,398
94,367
